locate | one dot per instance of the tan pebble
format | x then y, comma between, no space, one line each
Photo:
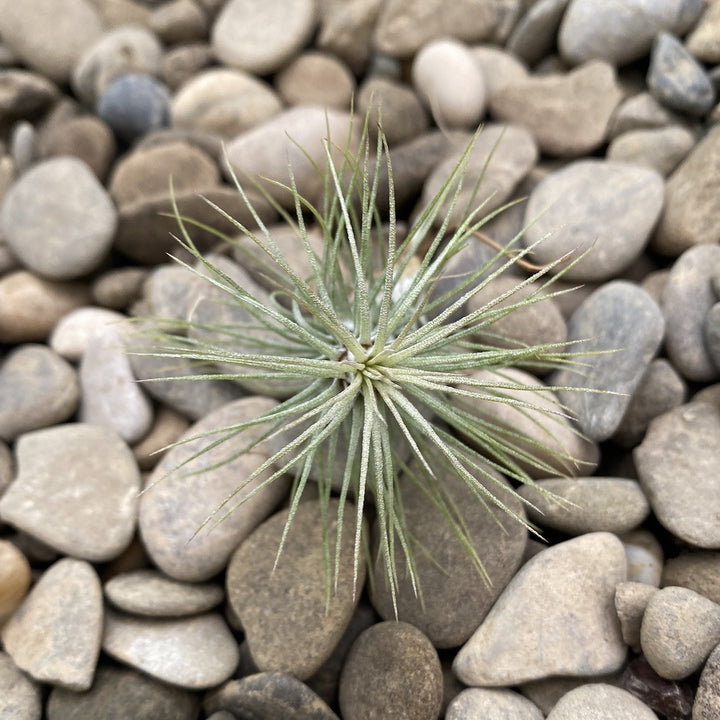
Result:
15,577
169,426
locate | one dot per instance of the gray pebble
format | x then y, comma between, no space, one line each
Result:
601,701
120,693
21,695
55,635
512,646
622,323
677,79
271,696
661,149
642,112
679,630
58,219
535,35
604,207
289,627
76,490
593,504
179,499
707,700
133,105
491,704
686,300
150,593
676,464
193,653
392,671
712,333
697,570
179,21
631,599
37,389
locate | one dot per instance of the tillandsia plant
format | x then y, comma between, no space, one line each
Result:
373,349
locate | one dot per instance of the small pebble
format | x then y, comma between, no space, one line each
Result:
644,557
179,21
697,570
707,700
392,671
15,578
22,695
661,149
491,704
193,653
704,40
631,599
534,36
672,699
55,635
601,701
167,429
316,78
75,330
25,94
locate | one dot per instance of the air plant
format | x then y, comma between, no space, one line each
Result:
374,350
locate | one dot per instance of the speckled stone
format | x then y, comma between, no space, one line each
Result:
392,671
676,464
698,570
193,653
121,693
271,696
512,645
37,389
76,490
15,578
58,219
178,501
292,627
21,695
491,704
55,634
598,700
707,700
150,593
631,599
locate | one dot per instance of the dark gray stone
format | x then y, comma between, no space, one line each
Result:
624,324
677,79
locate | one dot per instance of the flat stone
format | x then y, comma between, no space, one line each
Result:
697,570
686,301
677,79
316,78
601,701
661,389
596,504
553,440
179,21
621,32
676,465
631,599
404,26
707,700
180,497
128,49
22,695
511,645
58,219
262,38
490,703
271,696
293,626
74,331
625,325
110,395
37,389
50,36
76,490
392,671
661,149
704,40
451,83
15,579
119,693
267,150
604,207
193,653
535,35
118,288
692,200
501,157
567,114
224,101
679,630
150,593
642,112
55,634
447,576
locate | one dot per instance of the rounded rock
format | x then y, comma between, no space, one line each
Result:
193,653
491,704
704,40
24,94
224,101
182,63
631,599
167,429
55,636
602,702
679,630
76,490
606,207
707,700
134,105
676,465
179,21
58,219
661,149
15,578
50,35
534,37
392,670
37,389
511,645
262,38
74,331
697,570
20,694
451,83
316,78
